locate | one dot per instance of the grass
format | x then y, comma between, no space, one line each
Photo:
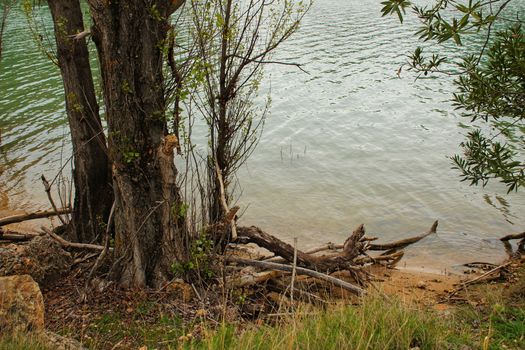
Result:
377,324
111,329
499,320
495,322
22,341
507,325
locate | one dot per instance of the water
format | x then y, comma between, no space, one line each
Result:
349,143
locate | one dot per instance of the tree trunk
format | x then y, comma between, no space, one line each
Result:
149,215
91,174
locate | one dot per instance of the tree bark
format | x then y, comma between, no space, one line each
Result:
149,215
91,174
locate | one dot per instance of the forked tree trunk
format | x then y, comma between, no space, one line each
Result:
149,216
91,174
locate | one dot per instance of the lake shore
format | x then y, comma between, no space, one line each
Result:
113,318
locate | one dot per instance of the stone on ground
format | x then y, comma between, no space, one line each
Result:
21,304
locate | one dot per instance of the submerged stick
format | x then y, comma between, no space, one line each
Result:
404,242
512,236
300,270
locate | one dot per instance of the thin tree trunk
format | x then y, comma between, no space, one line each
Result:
6,7
91,174
149,220
216,210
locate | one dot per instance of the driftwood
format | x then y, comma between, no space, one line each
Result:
250,279
404,242
350,257
31,216
324,247
300,270
391,259
328,263
513,236
393,246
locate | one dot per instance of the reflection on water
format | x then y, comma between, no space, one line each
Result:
348,143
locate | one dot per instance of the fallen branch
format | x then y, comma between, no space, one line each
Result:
340,261
84,259
250,279
6,235
47,188
488,273
386,246
71,245
300,270
513,236
31,216
275,245
476,279
404,242
326,246
391,259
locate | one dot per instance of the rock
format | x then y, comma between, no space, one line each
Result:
21,304
421,285
42,258
58,342
181,290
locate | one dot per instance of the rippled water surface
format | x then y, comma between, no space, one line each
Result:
348,143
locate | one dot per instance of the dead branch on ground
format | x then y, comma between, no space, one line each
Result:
71,245
31,216
300,270
11,236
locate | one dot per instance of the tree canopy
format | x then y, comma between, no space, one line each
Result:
490,83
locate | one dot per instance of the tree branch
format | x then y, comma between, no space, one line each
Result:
31,216
300,270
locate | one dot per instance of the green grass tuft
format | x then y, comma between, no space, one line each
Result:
22,341
377,324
